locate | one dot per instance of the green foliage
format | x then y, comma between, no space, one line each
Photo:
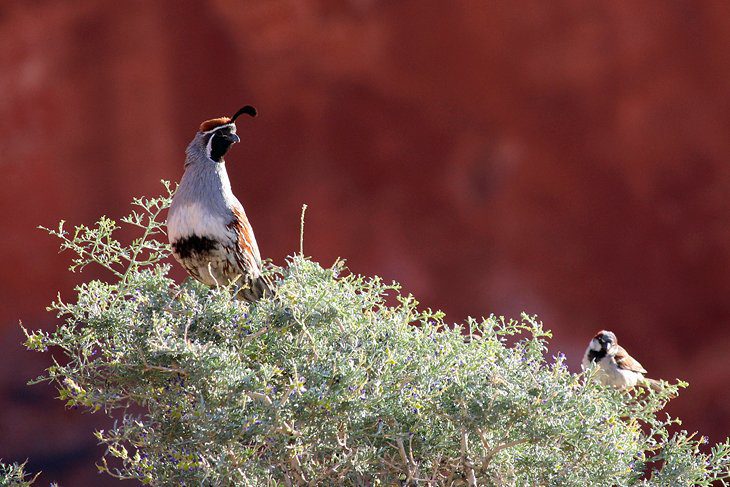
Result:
15,476
330,383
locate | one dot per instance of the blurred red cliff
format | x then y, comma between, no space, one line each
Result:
565,158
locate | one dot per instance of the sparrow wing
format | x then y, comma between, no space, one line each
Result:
626,361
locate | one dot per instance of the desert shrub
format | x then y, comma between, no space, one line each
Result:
339,379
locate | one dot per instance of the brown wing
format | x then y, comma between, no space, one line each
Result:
248,253
626,361
248,258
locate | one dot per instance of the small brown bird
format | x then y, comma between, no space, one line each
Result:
615,366
206,225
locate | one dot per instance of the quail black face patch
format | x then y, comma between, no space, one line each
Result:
220,144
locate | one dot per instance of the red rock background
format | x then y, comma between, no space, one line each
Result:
566,158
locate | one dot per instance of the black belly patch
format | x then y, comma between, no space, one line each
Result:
187,246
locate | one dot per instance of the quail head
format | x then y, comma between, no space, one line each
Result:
615,366
206,224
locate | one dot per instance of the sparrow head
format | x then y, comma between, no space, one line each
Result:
603,341
216,136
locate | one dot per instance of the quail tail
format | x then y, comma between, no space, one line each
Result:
258,288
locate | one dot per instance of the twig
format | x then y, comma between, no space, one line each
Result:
435,474
468,466
488,458
402,450
254,336
259,397
301,230
174,370
297,467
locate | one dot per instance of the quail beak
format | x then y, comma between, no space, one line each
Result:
234,138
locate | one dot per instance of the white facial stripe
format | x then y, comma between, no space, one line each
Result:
209,146
595,346
231,125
